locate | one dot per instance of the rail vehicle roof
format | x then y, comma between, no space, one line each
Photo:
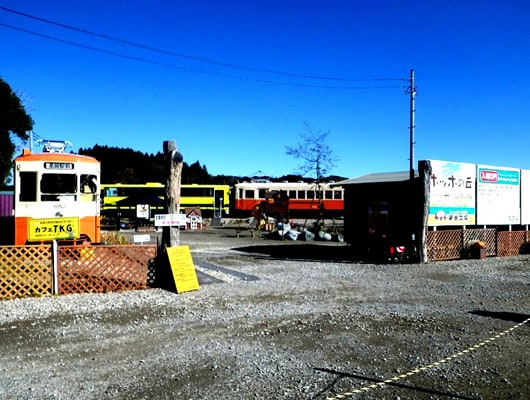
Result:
27,155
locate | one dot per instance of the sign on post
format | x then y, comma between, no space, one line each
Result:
170,220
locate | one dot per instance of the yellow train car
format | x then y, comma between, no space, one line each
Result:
213,200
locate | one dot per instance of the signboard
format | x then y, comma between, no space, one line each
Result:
142,211
525,196
142,238
170,220
452,194
41,230
498,195
182,268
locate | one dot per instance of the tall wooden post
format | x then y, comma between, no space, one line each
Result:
173,169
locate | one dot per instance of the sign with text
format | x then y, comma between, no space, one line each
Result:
498,195
142,238
143,211
182,268
452,194
170,220
53,228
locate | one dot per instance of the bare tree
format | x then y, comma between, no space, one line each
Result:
316,157
315,154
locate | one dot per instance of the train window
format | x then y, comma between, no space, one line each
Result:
54,186
261,193
292,194
88,184
301,194
28,186
249,194
337,194
111,192
196,192
310,194
328,194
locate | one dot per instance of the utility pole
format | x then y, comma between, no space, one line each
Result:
412,92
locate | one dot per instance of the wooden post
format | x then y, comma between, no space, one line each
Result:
173,169
425,176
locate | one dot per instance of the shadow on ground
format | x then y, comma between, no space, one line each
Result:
309,252
504,315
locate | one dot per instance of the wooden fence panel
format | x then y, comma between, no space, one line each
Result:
100,269
25,271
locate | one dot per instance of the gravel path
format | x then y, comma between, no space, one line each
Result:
266,325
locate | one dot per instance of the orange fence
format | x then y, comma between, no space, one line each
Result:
31,270
451,244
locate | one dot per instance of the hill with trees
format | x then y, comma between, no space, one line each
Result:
124,165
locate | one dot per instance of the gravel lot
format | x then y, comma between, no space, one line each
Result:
280,320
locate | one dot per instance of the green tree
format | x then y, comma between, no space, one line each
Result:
13,121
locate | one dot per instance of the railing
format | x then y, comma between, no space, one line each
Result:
451,244
31,270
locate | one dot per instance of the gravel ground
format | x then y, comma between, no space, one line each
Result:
280,320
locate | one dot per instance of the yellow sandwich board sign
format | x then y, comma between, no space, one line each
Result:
182,268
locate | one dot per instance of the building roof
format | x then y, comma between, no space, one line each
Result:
380,177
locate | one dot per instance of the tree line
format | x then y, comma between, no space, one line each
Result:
125,165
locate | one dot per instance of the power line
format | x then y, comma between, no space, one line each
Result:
148,61
192,58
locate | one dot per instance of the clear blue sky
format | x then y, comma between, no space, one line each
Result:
209,86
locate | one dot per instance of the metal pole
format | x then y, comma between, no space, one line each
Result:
412,92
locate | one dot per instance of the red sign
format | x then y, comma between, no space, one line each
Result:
489,176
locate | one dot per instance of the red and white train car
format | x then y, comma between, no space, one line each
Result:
56,198
302,197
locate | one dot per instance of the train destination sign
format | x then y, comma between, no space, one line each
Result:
53,228
58,165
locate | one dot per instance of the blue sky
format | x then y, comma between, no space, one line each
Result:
210,85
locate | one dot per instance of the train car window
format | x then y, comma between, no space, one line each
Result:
261,193
111,192
328,194
88,184
54,186
301,194
196,192
28,186
310,194
337,194
249,194
292,194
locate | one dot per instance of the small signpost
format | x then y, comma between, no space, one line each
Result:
170,220
142,238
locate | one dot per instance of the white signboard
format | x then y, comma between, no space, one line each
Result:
142,238
452,193
525,196
498,195
142,211
170,220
